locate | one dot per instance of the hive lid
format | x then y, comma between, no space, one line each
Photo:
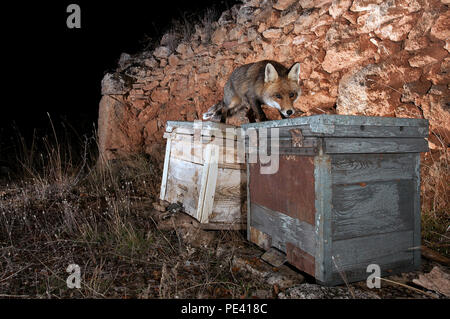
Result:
351,125
206,127
171,125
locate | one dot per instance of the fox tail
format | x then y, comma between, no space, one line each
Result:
214,113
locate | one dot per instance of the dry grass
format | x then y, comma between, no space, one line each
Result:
96,215
435,197
66,207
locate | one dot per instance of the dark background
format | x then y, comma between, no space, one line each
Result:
50,68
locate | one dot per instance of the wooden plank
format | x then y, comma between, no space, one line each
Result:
301,259
375,145
359,131
374,249
358,272
259,238
326,123
249,211
165,170
208,183
323,238
207,133
359,168
282,229
374,208
229,199
290,190
417,212
184,148
183,184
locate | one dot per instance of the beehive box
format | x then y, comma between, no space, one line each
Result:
346,194
204,170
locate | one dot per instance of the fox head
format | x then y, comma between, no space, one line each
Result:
281,90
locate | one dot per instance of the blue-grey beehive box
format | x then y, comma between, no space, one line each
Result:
345,195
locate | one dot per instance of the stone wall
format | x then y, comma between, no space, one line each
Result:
361,57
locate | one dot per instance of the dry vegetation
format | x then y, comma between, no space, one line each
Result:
64,207
97,215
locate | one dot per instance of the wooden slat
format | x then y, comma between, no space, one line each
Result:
322,231
165,170
184,184
416,214
374,208
359,168
282,229
184,148
358,272
375,249
359,131
375,145
229,197
208,183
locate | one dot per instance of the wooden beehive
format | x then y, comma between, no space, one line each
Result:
346,195
205,173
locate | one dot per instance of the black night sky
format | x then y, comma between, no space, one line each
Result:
50,68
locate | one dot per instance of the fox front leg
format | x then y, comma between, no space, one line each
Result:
255,105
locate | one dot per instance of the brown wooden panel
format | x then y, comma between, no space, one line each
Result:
290,190
260,238
300,259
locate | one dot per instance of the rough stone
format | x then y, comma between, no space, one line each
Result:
272,33
115,84
283,4
161,52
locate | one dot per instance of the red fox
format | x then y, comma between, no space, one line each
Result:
264,82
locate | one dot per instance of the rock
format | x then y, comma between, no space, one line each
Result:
173,60
288,18
374,90
161,52
427,56
219,36
378,15
283,4
160,96
116,84
436,280
416,39
346,54
338,7
362,57
441,28
305,21
272,33
124,61
312,291
398,29
119,132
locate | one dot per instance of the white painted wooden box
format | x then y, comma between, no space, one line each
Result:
204,170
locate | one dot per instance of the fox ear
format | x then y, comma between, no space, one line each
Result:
271,74
294,73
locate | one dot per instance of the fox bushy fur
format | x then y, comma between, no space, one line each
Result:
251,85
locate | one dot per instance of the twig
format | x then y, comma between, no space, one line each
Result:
342,274
409,287
211,283
12,275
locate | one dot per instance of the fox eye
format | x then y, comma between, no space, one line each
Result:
278,96
291,95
